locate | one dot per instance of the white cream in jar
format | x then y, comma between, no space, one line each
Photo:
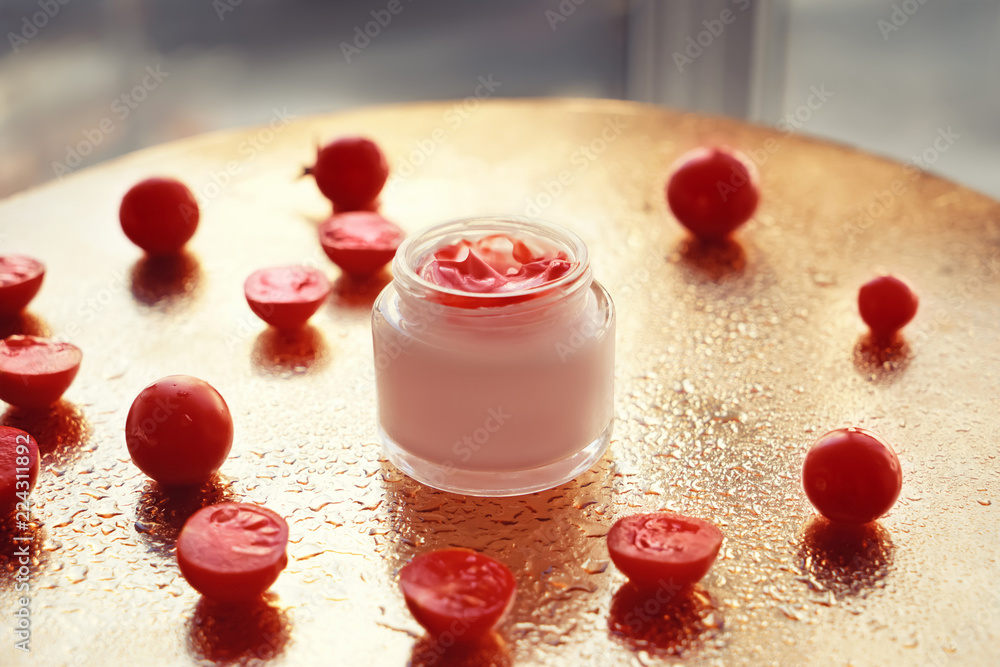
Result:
494,358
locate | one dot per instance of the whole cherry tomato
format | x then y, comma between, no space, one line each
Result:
179,430
712,191
852,476
159,215
350,172
886,305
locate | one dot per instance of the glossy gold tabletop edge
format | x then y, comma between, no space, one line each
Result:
569,104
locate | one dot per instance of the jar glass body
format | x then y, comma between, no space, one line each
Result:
511,397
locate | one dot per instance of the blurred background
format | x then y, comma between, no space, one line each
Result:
82,81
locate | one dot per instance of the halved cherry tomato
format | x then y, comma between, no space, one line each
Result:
350,172
35,372
18,467
712,191
286,297
663,549
20,279
159,215
886,305
360,242
232,551
852,476
179,430
457,593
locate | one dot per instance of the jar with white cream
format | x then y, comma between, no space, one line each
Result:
494,358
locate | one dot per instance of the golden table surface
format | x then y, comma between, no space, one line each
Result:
730,363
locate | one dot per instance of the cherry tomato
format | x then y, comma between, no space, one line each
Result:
179,430
360,243
663,549
159,215
232,551
712,191
350,172
35,372
20,279
286,297
18,467
852,476
457,592
886,305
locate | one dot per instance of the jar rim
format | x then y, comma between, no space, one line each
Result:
414,249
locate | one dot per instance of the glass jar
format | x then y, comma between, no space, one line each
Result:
507,394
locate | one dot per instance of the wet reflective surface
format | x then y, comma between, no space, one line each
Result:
732,361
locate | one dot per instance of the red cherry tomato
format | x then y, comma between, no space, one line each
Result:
360,243
20,279
663,548
18,467
179,430
852,476
35,372
712,191
286,297
232,551
886,305
159,215
457,593
350,172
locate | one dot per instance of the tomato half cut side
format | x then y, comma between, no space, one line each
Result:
179,430
35,372
232,551
286,297
20,279
663,548
18,467
458,593
360,242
